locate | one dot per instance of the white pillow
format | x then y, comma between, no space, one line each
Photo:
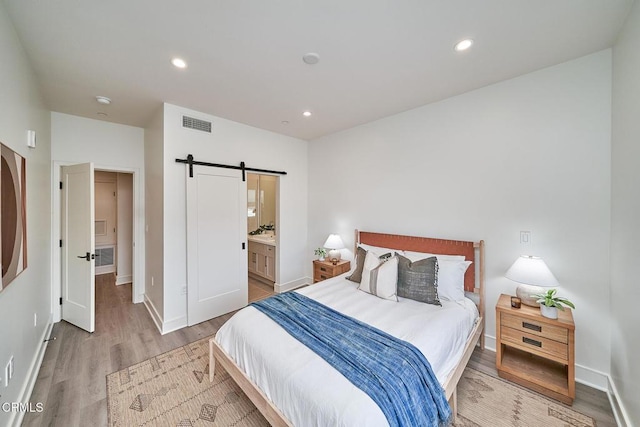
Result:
380,278
417,256
451,279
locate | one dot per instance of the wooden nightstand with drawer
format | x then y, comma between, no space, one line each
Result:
323,270
535,351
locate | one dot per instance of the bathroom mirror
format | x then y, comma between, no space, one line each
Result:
261,201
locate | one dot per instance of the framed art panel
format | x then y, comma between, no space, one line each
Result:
13,215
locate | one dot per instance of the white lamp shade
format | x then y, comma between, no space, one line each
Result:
531,270
334,242
533,275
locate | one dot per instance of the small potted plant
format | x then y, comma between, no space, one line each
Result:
550,303
320,253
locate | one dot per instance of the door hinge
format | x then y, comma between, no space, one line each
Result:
60,300
60,242
61,185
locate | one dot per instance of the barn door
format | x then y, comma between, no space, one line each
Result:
216,243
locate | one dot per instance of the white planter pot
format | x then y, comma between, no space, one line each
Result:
549,312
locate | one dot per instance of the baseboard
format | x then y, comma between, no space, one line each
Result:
164,327
592,378
123,280
157,319
619,412
34,369
174,324
284,287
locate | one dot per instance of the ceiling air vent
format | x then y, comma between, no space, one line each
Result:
197,124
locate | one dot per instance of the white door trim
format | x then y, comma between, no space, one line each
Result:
138,262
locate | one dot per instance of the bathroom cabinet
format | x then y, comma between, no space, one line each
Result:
262,260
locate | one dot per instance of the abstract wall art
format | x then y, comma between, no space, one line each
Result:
13,215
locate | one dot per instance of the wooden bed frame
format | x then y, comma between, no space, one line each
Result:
393,241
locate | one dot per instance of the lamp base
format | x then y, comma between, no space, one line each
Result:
526,292
334,256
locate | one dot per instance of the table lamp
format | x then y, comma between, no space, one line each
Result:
533,275
334,243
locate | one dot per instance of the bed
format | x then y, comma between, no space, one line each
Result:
291,385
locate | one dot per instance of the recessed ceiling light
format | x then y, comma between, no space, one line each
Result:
179,63
307,113
103,100
463,45
311,58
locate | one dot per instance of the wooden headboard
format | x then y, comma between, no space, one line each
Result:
426,244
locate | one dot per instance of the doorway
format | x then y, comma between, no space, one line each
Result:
125,256
114,224
262,234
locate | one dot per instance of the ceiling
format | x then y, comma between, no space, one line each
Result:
377,57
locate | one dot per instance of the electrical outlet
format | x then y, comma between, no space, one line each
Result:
8,372
35,319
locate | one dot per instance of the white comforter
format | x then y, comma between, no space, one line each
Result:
308,391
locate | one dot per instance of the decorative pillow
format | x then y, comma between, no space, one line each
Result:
361,253
451,279
356,276
418,280
376,249
380,278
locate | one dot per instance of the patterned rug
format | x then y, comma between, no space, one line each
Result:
173,389
484,400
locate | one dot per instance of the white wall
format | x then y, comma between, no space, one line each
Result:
124,272
22,108
154,202
625,217
230,143
531,153
109,146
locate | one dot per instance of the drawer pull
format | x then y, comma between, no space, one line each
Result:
323,269
532,342
323,277
532,326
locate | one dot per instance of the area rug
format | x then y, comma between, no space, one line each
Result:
173,389
484,400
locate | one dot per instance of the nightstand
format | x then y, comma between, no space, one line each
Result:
323,270
535,351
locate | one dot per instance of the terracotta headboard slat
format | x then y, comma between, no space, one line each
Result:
425,244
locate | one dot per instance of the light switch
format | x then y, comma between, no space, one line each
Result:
525,237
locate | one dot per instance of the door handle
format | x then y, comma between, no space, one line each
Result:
88,256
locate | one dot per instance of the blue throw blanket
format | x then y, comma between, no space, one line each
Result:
393,372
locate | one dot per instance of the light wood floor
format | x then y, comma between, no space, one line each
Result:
72,384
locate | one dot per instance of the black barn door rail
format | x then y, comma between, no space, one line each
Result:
189,160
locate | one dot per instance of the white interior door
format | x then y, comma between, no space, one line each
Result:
78,244
216,243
